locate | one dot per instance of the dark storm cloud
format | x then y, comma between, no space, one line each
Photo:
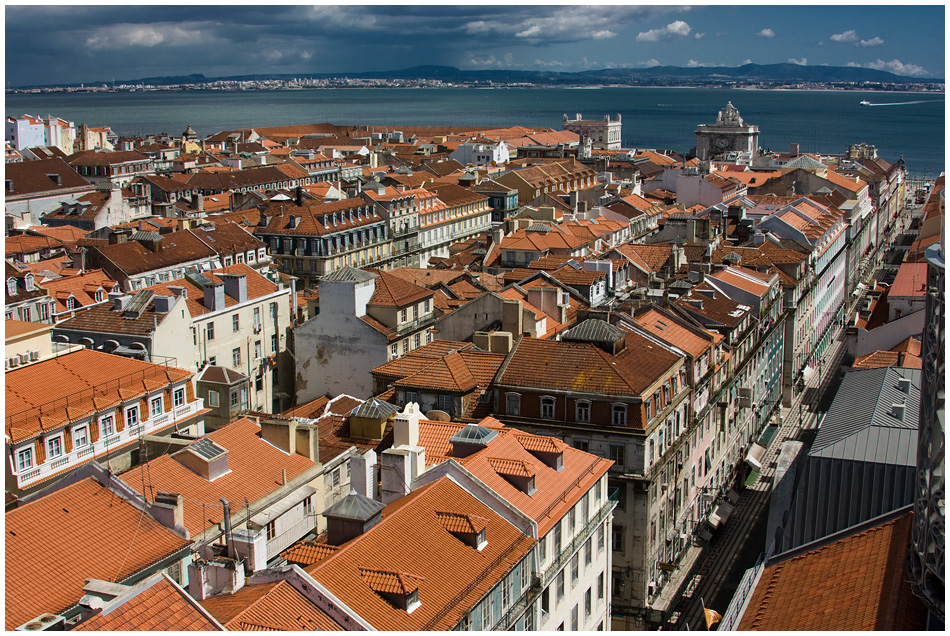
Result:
72,44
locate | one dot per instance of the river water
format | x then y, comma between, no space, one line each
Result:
908,124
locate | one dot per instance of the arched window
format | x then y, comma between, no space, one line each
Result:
547,408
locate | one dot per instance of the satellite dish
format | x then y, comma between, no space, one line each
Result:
438,416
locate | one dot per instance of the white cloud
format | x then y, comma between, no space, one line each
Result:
695,64
848,36
898,68
122,36
875,41
649,63
746,61
766,33
698,36
306,55
551,64
672,31
538,26
801,62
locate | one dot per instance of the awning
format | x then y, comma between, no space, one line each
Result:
266,516
807,373
720,514
754,456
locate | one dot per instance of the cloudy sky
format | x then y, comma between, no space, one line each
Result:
65,44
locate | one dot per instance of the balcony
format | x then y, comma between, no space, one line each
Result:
104,446
405,230
414,325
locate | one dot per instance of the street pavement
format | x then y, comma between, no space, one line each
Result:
736,546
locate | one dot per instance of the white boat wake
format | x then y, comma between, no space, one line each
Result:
920,101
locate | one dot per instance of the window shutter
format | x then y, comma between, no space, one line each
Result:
94,431
119,420
168,404
40,451
144,413
189,392
68,441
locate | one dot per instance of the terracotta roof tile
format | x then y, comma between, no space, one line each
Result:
104,536
855,583
392,291
582,366
510,467
556,490
161,606
89,380
82,287
269,607
368,562
461,522
308,552
694,341
254,465
32,177
258,286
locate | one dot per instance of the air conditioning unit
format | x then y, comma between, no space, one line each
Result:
35,355
14,361
24,358
44,623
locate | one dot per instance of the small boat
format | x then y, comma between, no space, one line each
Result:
865,103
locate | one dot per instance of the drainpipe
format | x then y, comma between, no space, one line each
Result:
227,524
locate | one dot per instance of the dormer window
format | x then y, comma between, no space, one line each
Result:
28,282
583,412
619,414
11,287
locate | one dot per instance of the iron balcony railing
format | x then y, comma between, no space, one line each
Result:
577,542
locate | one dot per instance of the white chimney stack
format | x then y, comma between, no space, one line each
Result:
406,426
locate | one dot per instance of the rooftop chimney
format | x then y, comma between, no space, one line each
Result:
164,304
121,301
235,286
406,426
214,296
903,384
897,410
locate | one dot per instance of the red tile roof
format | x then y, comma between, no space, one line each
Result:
96,533
161,606
274,606
557,491
392,291
693,340
257,287
32,177
369,562
855,583
254,470
583,367
911,281
90,380
308,552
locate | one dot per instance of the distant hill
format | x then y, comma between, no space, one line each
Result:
656,75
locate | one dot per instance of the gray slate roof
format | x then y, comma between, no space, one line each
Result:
349,275
593,330
354,506
860,425
374,409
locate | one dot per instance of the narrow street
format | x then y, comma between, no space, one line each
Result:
737,545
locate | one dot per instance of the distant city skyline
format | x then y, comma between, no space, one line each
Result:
59,44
